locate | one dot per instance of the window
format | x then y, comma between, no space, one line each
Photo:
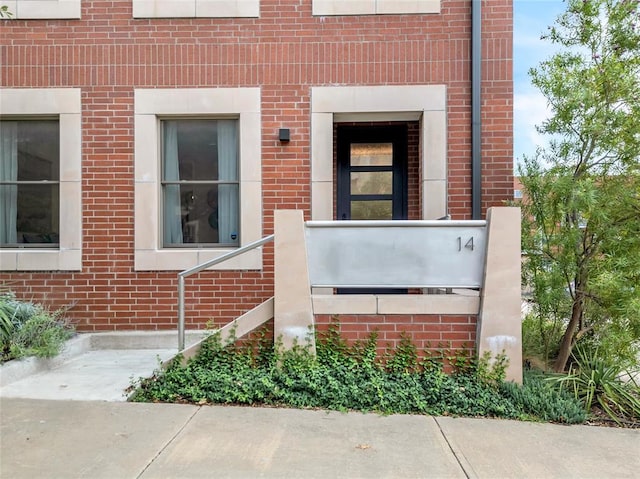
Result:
198,177
374,7
43,9
200,182
195,8
40,179
29,183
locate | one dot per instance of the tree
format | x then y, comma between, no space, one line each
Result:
581,218
4,12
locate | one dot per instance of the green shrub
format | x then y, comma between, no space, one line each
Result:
6,323
595,381
541,338
28,329
538,398
349,377
613,343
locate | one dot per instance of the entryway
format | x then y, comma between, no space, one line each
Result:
372,172
372,178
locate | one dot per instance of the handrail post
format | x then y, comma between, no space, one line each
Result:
180,313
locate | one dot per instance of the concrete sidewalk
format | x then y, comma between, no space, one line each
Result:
92,439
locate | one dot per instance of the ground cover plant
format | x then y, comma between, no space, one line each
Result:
352,377
29,329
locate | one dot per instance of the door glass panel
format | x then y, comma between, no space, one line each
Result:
371,154
372,183
372,210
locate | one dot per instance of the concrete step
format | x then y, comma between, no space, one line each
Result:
96,366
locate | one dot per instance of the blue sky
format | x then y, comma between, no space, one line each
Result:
531,19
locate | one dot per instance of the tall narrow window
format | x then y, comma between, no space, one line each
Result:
29,183
200,182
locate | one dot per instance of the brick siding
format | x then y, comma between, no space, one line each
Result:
432,334
286,51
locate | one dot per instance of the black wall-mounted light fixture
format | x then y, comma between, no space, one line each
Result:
284,135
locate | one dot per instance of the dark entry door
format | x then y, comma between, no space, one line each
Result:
372,172
372,178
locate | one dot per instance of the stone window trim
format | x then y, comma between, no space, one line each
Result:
65,104
426,103
196,8
151,107
374,7
44,9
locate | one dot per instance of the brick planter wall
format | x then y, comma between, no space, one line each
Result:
429,332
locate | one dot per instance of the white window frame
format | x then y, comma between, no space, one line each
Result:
151,107
43,9
196,8
374,7
66,104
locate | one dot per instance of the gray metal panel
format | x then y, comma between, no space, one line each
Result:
396,254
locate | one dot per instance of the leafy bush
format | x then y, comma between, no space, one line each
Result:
541,337
344,377
614,343
28,329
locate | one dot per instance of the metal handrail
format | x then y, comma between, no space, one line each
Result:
196,269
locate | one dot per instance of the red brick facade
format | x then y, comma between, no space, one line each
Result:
427,331
285,52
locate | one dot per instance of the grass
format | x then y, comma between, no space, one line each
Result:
29,329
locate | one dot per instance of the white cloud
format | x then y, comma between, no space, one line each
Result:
531,20
530,109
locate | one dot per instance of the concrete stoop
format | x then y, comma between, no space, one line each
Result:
92,366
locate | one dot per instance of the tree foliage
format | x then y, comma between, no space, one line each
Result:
581,215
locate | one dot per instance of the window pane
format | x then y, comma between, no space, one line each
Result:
371,183
38,150
29,151
371,154
200,150
38,213
207,214
203,149
372,210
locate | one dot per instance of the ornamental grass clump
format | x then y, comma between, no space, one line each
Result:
597,384
28,329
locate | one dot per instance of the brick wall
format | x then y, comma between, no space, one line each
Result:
430,333
286,51
433,335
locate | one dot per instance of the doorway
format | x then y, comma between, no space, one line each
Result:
372,172
372,178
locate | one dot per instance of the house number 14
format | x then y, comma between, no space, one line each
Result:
467,245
